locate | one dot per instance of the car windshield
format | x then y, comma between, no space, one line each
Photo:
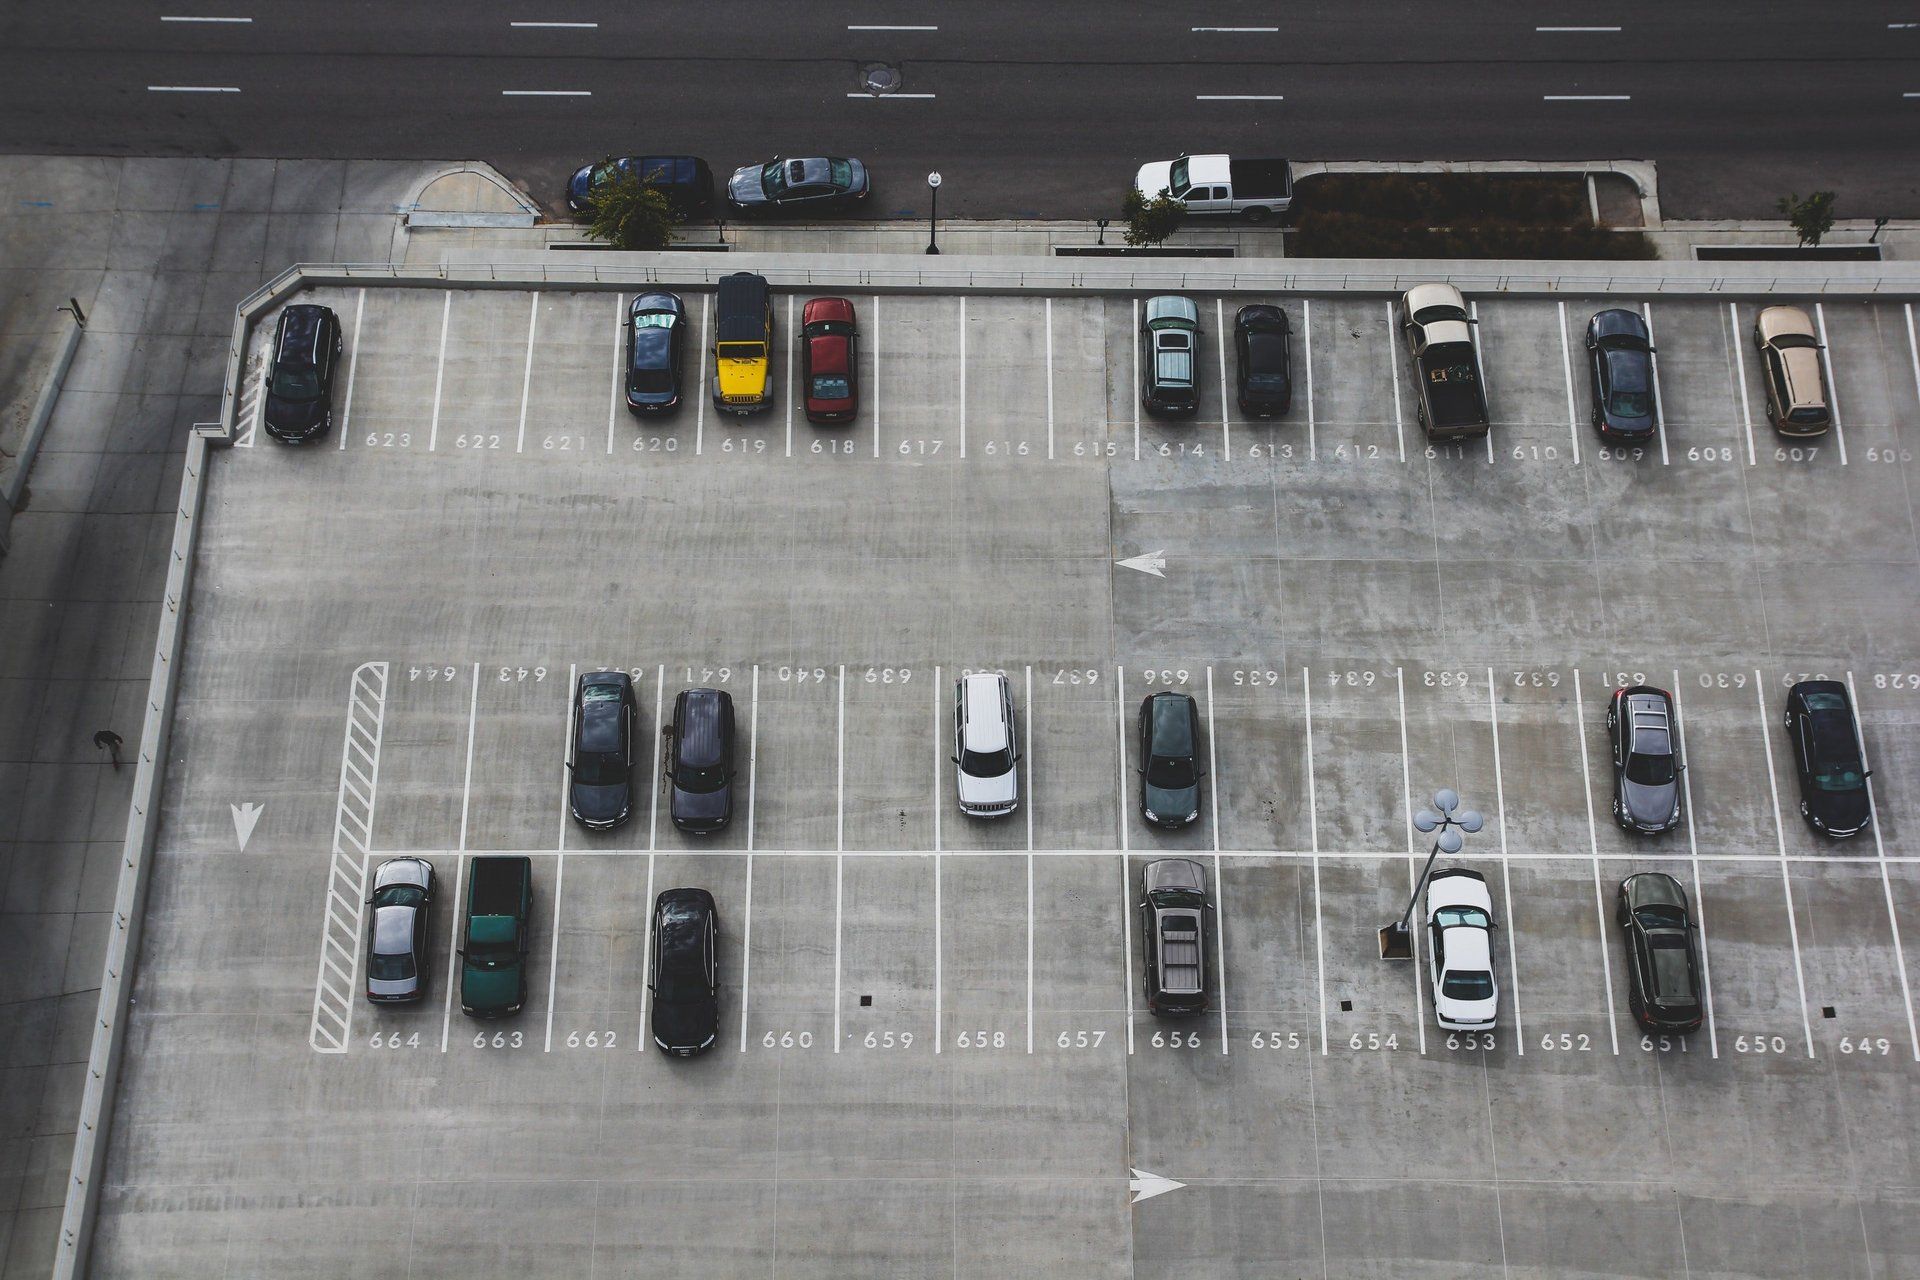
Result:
1170,773
654,320
1660,917
831,386
1785,340
295,384
390,968
1179,898
1468,984
599,769
1434,315
1808,415
681,977
1630,404
1650,771
773,179
1471,917
1177,183
700,780
986,764
842,174
399,895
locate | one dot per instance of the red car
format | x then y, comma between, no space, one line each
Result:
829,343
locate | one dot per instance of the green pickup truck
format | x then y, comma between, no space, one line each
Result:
493,945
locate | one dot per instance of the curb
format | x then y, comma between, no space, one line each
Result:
1642,174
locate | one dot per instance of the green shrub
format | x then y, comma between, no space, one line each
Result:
631,214
1151,221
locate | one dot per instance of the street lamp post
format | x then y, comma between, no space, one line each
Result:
1396,939
933,209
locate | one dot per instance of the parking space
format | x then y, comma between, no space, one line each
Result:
945,1015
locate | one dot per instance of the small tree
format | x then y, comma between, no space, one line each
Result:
1812,218
1151,221
631,214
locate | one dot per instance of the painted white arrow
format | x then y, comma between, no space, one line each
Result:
1145,1186
245,818
1153,562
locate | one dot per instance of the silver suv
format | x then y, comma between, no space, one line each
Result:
984,746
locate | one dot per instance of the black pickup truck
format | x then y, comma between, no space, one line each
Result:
1446,367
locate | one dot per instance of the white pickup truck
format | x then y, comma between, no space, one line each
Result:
1256,189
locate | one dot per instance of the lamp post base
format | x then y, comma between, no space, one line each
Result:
1396,941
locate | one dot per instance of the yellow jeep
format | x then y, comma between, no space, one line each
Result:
743,344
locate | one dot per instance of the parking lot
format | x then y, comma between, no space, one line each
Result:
933,1059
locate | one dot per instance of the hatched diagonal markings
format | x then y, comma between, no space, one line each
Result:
338,978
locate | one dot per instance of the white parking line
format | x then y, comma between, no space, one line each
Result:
440,371
1126,885
1393,379
654,779
526,376
791,361
939,977
192,88
1659,401
1566,368
874,392
1133,393
1506,872
1219,882
1486,392
1575,30
619,360
1306,334
700,405
560,841
1593,843
1833,388
1913,352
1049,379
566,26
1220,349
1313,828
1886,886
353,361
1030,802
888,27
1240,30
963,375
1586,97
1413,853
1693,855
646,967
233,20
1780,837
1238,97
746,941
840,845
460,866
1740,376
546,93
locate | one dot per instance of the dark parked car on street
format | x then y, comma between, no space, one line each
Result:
1620,373
684,180
829,360
820,184
1663,968
656,352
1176,927
699,760
306,355
401,907
1646,759
1826,753
1169,755
686,971
600,775
1263,344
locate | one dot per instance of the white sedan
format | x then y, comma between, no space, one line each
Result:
1460,949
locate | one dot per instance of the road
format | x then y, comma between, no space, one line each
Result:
1025,116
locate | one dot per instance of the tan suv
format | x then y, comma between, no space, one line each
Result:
1790,366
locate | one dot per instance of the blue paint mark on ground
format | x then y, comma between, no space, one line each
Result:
206,206
38,204
904,213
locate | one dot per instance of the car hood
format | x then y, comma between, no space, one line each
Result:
1649,806
685,1024
1003,789
577,184
294,415
744,186
1843,811
1172,802
601,804
489,988
701,806
1153,178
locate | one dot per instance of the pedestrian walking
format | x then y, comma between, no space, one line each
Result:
111,741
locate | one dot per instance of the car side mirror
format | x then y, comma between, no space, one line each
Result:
461,952
954,759
1866,775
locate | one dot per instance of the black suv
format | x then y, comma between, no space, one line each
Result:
1263,344
306,353
1663,969
699,760
1169,754
1646,759
1176,924
600,775
686,971
1826,752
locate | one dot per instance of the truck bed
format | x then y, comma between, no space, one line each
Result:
1450,383
498,886
1260,179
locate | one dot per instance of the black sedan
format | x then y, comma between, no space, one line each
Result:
1263,343
823,184
401,907
1169,759
306,355
1663,966
1620,369
686,971
656,352
600,775
1646,759
1826,753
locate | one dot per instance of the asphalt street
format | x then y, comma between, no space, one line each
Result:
1030,111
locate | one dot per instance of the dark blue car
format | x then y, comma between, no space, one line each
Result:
686,181
1620,360
656,352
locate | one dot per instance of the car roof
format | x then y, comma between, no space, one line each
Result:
1803,375
1171,306
985,729
1171,713
827,352
600,723
1617,322
1468,947
393,931
701,727
742,301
